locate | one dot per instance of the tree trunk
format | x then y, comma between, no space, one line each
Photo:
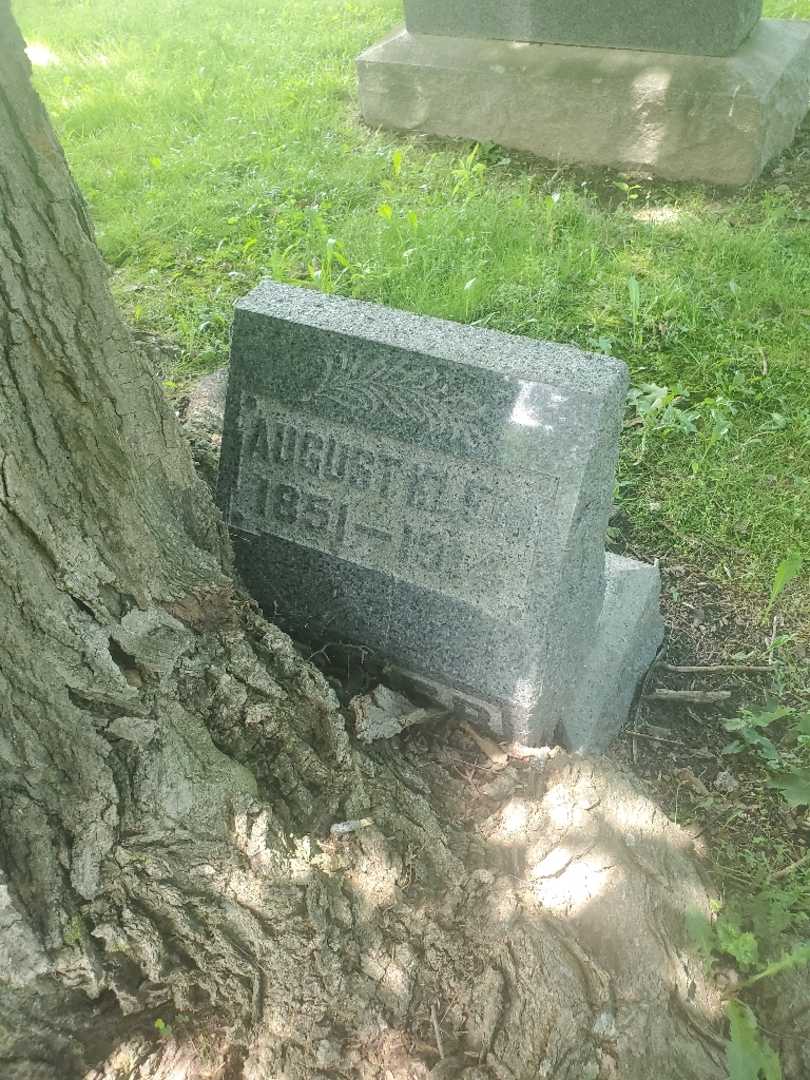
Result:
171,768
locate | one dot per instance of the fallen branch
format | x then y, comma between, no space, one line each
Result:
697,697
655,738
716,669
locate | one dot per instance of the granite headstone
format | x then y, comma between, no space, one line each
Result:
438,494
714,28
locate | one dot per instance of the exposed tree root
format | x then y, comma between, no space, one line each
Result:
538,912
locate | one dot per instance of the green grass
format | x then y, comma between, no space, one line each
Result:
218,143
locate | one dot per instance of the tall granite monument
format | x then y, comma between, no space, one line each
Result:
438,494
681,89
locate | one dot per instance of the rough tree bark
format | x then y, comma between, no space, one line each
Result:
170,768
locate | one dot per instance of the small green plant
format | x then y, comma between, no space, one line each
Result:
789,568
799,956
468,171
665,409
331,266
73,931
749,727
602,344
631,192
793,786
749,1055
717,413
731,939
784,755
162,1028
634,291
661,408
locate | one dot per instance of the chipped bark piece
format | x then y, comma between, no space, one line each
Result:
384,713
344,828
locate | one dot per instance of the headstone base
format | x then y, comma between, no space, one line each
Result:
679,117
627,637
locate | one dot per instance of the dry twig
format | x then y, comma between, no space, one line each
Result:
498,757
783,873
716,669
697,697
655,738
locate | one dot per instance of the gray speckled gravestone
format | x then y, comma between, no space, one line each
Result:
701,27
681,89
439,494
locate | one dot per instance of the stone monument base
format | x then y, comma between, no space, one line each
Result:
627,638
679,117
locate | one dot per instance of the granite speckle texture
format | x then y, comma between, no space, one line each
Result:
712,27
715,119
628,634
435,492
